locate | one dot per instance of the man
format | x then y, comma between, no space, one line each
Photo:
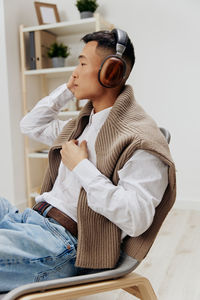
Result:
107,174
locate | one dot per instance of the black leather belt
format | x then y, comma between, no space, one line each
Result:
57,215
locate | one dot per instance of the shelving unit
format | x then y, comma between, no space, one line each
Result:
37,84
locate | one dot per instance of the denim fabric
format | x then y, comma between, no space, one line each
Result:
33,248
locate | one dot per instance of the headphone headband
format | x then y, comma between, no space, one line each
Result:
121,41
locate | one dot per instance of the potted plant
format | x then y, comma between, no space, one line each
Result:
58,53
86,8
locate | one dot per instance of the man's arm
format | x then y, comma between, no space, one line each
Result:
42,123
131,204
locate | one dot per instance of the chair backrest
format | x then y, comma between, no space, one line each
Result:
166,134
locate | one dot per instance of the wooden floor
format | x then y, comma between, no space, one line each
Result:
173,263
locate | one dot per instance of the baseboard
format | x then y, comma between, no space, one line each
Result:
187,204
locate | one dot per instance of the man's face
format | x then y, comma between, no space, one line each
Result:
86,81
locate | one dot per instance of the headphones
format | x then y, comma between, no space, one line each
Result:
113,68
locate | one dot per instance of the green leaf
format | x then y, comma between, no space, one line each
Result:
58,50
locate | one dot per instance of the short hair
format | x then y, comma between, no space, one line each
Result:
107,40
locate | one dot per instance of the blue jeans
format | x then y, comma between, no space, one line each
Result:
33,248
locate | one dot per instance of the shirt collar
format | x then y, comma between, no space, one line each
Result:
99,117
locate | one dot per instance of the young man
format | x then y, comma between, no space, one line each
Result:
107,174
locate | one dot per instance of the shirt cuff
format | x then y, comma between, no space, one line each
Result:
84,177
61,96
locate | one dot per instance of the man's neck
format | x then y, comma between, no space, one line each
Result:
105,101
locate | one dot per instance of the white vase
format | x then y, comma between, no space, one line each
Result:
58,62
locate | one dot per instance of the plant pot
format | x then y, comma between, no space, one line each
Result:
58,62
86,14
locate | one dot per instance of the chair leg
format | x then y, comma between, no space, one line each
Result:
133,291
143,290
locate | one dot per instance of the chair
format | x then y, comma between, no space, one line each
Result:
73,287
166,134
79,286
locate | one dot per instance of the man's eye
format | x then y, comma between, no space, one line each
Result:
83,64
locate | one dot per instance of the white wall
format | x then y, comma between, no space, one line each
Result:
6,160
12,176
165,78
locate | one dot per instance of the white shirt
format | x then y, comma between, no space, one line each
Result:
142,180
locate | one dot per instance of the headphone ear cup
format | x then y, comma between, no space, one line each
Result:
112,72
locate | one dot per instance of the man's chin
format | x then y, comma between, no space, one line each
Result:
76,94
79,96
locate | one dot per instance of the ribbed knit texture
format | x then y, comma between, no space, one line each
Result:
126,129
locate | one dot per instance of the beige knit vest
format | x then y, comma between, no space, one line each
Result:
126,129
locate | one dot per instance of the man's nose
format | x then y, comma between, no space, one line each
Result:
75,73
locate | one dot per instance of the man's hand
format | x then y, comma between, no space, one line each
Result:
72,153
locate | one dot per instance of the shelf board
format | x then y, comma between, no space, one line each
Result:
66,28
50,71
38,155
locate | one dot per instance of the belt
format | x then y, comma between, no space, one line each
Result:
58,216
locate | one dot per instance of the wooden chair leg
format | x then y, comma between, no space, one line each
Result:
143,290
133,291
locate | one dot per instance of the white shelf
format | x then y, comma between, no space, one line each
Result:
66,28
38,155
50,71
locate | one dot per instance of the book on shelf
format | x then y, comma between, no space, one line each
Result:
40,41
32,50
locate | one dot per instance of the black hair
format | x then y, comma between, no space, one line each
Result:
107,40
